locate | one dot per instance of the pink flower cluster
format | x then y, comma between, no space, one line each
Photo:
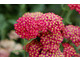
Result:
72,33
55,37
75,6
69,50
30,24
36,49
49,31
26,27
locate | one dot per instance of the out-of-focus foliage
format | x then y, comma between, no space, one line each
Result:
9,13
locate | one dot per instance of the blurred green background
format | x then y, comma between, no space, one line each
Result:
9,13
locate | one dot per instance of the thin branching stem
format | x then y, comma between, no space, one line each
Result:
24,48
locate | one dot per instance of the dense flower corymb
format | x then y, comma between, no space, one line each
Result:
26,27
55,37
35,15
30,24
47,27
69,50
53,21
75,6
72,33
36,49
48,31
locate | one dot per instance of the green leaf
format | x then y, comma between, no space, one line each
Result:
21,51
2,19
22,6
76,48
12,21
64,40
65,7
27,54
67,21
14,55
37,8
77,20
8,6
61,47
17,51
3,26
55,8
3,30
22,9
28,41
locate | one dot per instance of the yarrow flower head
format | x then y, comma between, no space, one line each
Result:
48,38
69,50
35,15
36,49
53,21
48,31
75,6
26,27
72,33
30,24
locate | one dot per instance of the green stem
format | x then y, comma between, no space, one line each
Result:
29,41
2,34
22,9
25,43
24,48
62,6
67,17
62,15
69,13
